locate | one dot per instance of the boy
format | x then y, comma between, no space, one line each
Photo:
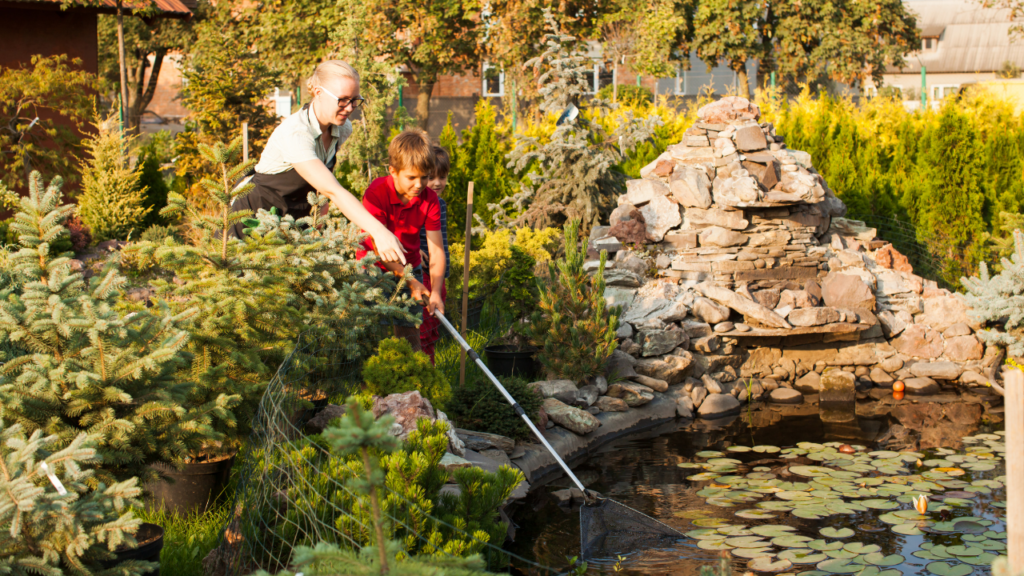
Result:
430,330
406,206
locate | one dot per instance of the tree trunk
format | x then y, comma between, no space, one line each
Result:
144,92
742,81
121,64
423,102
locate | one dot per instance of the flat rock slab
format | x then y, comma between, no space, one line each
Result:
578,421
837,328
937,370
549,388
479,441
785,396
718,405
921,386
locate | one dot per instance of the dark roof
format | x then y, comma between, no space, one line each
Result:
971,38
165,8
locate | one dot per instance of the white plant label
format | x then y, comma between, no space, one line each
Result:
53,479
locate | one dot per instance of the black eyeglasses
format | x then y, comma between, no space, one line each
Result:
344,102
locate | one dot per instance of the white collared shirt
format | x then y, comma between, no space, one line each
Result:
297,139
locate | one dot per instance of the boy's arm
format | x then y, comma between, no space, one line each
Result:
419,291
436,249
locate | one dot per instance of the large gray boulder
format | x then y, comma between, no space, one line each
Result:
659,342
670,368
549,388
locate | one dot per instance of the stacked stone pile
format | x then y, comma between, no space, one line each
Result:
740,281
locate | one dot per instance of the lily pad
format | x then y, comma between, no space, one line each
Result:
926,555
765,564
705,534
703,476
841,554
812,512
747,542
710,454
824,546
839,566
968,527
830,532
735,530
710,522
713,545
944,569
764,449
907,529
879,559
875,571
861,548
790,541
738,448
752,553
983,559
810,471
880,504
772,530
755,514
959,551
802,556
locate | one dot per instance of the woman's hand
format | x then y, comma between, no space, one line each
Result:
389,249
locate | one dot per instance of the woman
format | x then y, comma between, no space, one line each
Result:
300,156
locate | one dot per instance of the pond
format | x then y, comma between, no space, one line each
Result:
812,492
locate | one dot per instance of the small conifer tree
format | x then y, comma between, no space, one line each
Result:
113,203
53,533
573,324
396,368
999,300
88,368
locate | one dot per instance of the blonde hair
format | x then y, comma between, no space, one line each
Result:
411,149
331,69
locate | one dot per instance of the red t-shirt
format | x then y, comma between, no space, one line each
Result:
403,220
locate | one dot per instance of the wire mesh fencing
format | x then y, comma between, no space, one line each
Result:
904,238
293,492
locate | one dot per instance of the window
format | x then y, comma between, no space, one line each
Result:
929,44
605,77
591,79
941,91
493,81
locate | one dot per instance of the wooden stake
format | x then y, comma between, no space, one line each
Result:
465,282
245,141
1014,402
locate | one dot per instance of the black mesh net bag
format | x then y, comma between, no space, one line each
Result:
608,528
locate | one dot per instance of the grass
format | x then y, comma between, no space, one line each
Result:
188,539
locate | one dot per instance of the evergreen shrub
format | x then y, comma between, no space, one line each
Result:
627,94
998,301
91,368
573,324
46,532
112,204
396,368
480,406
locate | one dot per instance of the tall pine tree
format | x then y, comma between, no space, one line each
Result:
88,367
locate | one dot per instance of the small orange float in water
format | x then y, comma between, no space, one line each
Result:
898,386
897,395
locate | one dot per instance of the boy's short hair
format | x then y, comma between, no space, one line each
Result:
442,162
411,149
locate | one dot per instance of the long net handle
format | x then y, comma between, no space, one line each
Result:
515,405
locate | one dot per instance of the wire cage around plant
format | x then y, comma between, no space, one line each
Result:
292,491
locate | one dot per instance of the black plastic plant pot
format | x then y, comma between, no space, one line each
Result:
511,361
193,489
150,538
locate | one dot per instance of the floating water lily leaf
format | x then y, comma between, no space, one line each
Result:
874,571
710,522
841,554
830,532
907,529
870,527
705,534
879,559
839,566
973,537
738,448
823,546
884,454
777,506
772,530
880,504
980,466
926,555
764,449
861,548
710,454
909,515
983,559
957,501
763,475
938,463
959,551
944,569
790,541
812,512
713,545
747,542
703,476
765,564
802,556
719,461
844,475
996,535
810,471
793,495
755,514
721,502
940,551
752,553
735,530
690,465
693,514
940,527
968,527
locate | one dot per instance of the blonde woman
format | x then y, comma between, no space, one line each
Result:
301,153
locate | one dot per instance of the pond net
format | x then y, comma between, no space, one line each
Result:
608,528
292,492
